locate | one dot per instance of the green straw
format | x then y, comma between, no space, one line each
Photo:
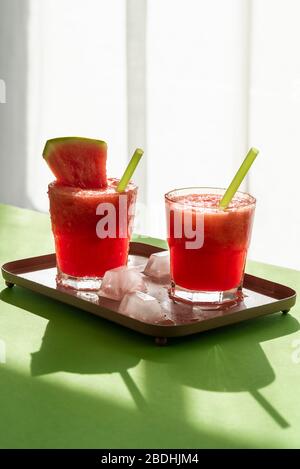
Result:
130,169
238,178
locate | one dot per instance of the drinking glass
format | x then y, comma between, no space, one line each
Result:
208,245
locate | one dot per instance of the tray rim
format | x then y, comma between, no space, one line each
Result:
12,270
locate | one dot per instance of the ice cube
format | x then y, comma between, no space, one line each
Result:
136,263
158,266
143,307
117,282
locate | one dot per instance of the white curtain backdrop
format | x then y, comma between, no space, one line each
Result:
77,85
194,82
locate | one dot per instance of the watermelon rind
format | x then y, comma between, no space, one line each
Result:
53,141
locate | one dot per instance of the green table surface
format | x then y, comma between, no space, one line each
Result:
72,380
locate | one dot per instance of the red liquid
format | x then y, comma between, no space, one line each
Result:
219,264
79,251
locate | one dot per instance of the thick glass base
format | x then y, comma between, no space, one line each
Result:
78,283
206,299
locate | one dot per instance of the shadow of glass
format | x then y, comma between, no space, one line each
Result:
74,342
232,359
77,342
223,360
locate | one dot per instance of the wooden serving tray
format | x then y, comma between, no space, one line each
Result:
261,297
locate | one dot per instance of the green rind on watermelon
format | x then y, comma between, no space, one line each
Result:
77,161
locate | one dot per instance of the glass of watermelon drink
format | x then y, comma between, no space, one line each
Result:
208,245
91,214
92,229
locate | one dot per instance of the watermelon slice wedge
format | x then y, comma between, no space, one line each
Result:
77,161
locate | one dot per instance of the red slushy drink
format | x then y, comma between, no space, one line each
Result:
91,214
208,245
85,250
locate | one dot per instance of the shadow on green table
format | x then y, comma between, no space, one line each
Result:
225,360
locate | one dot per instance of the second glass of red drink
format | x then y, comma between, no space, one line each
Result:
208,245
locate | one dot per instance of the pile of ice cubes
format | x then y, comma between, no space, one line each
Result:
130,286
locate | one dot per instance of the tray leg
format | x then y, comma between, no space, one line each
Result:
285,311
161,341
9,284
